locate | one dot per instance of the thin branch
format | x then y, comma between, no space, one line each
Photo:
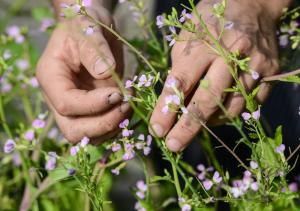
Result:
293,153
280,76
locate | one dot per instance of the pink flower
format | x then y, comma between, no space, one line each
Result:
34,82
6,54
144,81
171,82
207,184
46,24
171,100
74,150
29,135
246,116
86,3
254,186
140,194
116,147
141,185
38,123
130,83
129,155
171,39
147,151
256,114
293,187
186,207
22,64
126,132
84,142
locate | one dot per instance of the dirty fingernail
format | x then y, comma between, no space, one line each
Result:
103,64
114,98
174,145
157,130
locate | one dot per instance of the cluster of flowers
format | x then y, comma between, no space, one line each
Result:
129,144
204,173
247,116
140,193
137,10
28,135
143,81
286,31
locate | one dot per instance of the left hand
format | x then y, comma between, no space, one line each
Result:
253,35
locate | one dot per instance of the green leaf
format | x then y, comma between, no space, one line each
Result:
278,136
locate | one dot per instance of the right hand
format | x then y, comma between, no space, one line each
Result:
75,74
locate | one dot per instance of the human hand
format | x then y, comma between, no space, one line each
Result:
253,35
75,74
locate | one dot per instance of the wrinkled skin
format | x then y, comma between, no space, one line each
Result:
253,35
75,73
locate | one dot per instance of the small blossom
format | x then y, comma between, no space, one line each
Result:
13,31
253,165
126,132
149,140
89,30
34,82
140,194
228,25
170,100
124,124
256,114
237,192
6,54
130,83
138,206
76,8
283,40
9,146
84,142
186,207
217,178
115,171
141,185
280,148
71,172
38,123
51,162
46,24
246,116
86,3
254,186
29,135
53,133
254,74
172,29
160,21
207,184
171,39
144,81
293,187
184,16
116,147
129,155
16,159
147,151
171,83
22,64
141,137
74,150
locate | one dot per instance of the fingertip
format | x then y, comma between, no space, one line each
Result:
156,130
104,67
174,145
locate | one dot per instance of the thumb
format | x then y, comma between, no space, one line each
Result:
96,56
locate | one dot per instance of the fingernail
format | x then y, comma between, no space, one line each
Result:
103,64
114,98
125,107
157,130
174,145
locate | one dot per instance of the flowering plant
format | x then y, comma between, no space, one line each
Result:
46,169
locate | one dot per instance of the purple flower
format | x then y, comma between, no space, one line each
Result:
253,165
89,30
228,25
71,172
186,207
283,40
9,146
172,29
171,83
64,6
237,192
293,187
76,8
246,116
149,140
129,155
51,162
280,148
74,150
115,147
115,171
29,135
22,64
13,31
16,159
126,132
129,83
207,184
46,24
5,87
147,151
138,206
86,3
141,137
38,123
217,178
53,133
254,74
254,186
184,16
170,100
256,114
124,124
84,142
34,82
171,39
143,81
140,194
160,21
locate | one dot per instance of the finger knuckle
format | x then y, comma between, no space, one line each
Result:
63,108
71,134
